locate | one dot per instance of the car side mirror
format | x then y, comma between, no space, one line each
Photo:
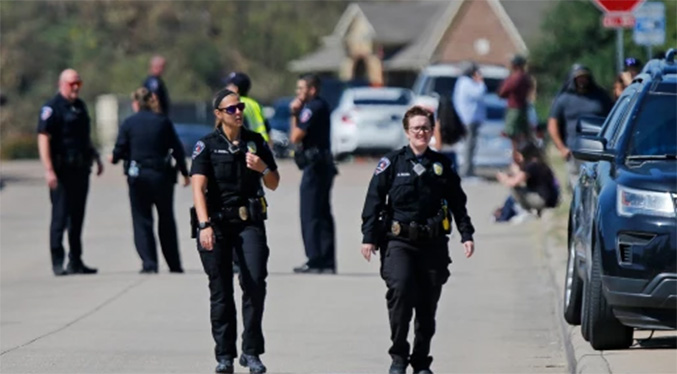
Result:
589,125
591,148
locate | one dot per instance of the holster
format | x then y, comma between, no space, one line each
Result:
306,157
193,223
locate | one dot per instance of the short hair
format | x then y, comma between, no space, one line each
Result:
312,80
529,150
417,111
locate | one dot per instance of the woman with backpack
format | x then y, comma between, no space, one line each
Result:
448,129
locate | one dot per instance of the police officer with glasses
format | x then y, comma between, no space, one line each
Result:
411,199
229,166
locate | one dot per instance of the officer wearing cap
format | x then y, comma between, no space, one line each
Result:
67,153
156,85
407,213
147,142
253,115
229,166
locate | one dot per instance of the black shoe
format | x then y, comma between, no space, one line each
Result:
423,371
59,271
397,367
236,268
80,268
305,269
177,271
328,270
225,366
253,363
148,271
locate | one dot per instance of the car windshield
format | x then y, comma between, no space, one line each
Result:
655,132
383,98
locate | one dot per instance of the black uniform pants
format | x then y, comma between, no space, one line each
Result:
154,188
317,222
248,242
68,212
414,275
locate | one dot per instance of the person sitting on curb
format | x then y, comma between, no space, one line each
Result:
534,186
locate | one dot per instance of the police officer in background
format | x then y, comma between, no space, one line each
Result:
66,152
311,128
147,141
228,167
407,214
156,85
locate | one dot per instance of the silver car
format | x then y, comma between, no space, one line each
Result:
369,119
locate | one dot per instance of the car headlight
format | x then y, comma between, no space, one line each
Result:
631,201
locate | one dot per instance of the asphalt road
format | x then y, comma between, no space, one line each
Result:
497,313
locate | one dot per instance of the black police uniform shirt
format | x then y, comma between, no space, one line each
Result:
229,181
146,137
314,119
68,125
413,197
157,86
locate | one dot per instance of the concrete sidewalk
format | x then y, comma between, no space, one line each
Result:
496,314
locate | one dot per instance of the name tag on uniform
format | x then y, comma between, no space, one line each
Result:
221,151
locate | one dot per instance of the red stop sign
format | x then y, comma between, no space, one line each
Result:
610,6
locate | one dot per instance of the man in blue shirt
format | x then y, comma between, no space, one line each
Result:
468,99
156,85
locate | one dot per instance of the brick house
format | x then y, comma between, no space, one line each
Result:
389,42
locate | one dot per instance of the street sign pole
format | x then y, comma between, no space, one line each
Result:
619,50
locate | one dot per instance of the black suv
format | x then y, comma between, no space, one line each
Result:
622,267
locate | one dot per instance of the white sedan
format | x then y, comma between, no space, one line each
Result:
369,119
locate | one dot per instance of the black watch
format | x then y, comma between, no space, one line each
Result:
203,225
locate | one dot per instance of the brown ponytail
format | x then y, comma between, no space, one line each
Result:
146,99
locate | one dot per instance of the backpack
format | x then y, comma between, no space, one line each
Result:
451,127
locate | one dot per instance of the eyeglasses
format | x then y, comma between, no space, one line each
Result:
232,108
419,129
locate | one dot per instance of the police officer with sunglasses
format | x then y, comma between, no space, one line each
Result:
407,213
230,167
67,154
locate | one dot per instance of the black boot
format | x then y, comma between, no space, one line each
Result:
225,366
80,268
398,367
253,362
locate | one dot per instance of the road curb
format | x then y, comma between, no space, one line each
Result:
581,357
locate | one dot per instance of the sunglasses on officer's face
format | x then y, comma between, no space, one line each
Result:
232,108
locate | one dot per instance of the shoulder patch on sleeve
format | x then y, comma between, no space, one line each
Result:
199,147
46,112
382,165
305,115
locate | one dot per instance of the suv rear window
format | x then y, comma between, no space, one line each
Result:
654,131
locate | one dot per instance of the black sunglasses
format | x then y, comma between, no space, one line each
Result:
232,108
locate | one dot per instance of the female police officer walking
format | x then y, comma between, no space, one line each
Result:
147,141
406,215
228,166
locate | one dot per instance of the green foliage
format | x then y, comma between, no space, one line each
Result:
572,33
111,42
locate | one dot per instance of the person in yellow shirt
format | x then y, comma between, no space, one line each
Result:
253,115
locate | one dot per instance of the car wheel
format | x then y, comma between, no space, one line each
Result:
605,331
573,289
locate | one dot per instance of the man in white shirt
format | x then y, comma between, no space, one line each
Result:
468,99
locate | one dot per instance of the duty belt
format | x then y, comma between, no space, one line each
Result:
255,211
414,231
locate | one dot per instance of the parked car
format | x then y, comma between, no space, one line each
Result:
622,243
369,119
438,80
190,133
279,126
